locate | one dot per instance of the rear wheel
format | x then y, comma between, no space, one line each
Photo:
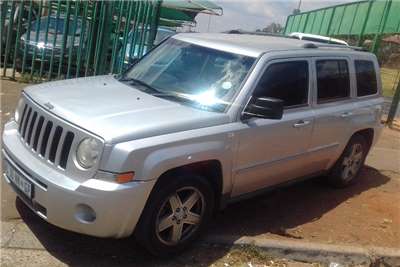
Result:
347,168
176,213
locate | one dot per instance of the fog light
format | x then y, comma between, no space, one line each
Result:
85,214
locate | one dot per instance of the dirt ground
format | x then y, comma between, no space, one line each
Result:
366,214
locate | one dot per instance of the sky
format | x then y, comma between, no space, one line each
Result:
255,14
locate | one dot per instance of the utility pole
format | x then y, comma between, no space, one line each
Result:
297,10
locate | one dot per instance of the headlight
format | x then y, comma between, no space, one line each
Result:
88,152
17,114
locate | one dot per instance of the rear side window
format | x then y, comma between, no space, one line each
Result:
366,78
287,81
332,80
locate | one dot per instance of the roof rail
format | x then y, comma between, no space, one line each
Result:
315,45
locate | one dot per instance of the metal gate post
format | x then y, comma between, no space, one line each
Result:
154,24
359,43
381,28
106,37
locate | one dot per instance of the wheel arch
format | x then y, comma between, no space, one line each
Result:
367,133
211,170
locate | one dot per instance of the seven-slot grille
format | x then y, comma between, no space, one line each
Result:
45,138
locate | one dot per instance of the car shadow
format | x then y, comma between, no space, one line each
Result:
291,206
288,207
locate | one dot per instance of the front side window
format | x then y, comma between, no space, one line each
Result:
202,77
366,78
333,80
287,81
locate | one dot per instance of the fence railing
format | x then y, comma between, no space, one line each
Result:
44,40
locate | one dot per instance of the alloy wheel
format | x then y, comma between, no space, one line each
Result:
180,215
352,163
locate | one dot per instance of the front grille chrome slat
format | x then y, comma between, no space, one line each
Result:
59,148
49,141
44,136
55,141
26,121
69,138
22,118
38,131
39,146
30,129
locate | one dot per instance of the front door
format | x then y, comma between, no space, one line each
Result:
274,151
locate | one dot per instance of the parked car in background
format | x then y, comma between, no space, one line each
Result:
52,41
10,25
201,121
130,56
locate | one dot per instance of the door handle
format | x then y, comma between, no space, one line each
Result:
301,123
346,114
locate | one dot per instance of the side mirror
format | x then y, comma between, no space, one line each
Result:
265,108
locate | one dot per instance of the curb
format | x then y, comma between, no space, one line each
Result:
315,252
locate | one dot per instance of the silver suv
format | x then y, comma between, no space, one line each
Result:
201,121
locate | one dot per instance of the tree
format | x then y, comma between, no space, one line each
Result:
272,28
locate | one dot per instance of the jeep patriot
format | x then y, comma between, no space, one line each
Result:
201,121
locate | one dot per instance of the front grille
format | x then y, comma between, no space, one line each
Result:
45,137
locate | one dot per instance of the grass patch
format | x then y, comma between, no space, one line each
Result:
389,78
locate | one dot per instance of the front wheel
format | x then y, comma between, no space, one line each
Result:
347,168
177,211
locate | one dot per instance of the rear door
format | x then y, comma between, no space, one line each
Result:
334,109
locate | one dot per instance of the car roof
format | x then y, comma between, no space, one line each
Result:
252,44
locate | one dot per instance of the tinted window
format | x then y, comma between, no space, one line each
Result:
287,81
332,80
366,78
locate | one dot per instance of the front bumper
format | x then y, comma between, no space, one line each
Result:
59,199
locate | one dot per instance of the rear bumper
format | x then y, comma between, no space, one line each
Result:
63,201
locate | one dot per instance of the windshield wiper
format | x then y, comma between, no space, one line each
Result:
141,83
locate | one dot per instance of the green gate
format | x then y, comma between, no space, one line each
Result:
46,40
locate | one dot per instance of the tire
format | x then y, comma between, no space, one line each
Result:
170,223
347,168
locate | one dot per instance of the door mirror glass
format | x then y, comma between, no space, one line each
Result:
265,108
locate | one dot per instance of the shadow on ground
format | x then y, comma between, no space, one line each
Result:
269,213
290,207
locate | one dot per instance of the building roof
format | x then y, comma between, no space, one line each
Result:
246,44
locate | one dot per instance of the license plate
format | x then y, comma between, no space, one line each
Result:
18,180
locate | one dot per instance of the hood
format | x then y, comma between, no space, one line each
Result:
41,41
117,112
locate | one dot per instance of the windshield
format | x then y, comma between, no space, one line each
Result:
203,77
57,25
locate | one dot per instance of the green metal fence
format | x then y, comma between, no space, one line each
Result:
45,40
357,19
373,24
